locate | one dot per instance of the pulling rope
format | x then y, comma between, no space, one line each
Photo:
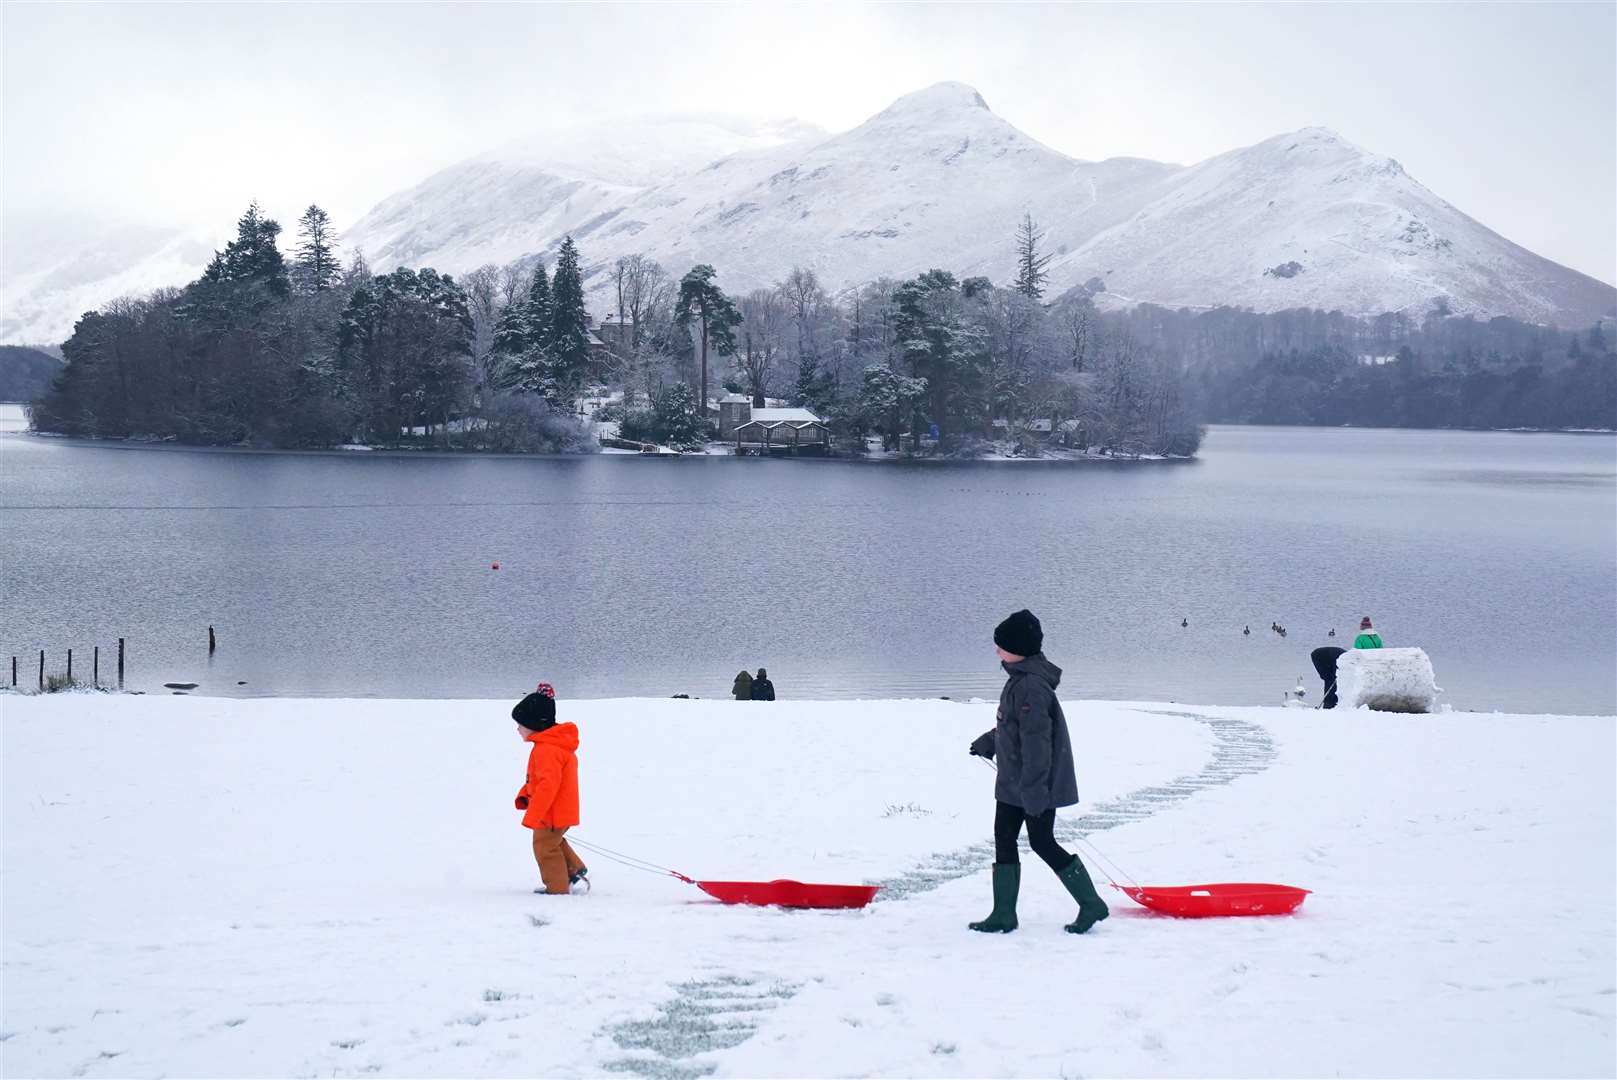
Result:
1095,853
630,861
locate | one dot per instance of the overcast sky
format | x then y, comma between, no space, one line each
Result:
170,113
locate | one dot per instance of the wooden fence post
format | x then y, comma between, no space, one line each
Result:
212,641
95,670
120,663
70,665
42,669
14,673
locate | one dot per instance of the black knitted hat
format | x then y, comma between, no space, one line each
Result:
1020,634
535,712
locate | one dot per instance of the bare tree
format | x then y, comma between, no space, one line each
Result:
1077,321
764,317
805,299
514,282
643,286
482,288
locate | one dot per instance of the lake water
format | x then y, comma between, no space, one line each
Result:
370,574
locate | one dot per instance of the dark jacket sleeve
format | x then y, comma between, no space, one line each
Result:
1031,700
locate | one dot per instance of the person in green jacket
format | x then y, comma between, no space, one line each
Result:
1368,638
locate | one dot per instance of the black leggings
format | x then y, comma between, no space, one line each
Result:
1041,836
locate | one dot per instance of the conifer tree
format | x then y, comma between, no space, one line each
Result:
251,258
568,337
316,267
1030,264
714,313
539,306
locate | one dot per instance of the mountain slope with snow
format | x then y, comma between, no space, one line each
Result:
937,179
1310,220
1305,219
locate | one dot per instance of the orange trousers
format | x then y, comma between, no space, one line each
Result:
556,858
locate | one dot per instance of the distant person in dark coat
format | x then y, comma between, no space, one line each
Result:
762,688
1036,776
742,690
1325,659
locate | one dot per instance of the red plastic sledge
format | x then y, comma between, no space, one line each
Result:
791,894
1204,901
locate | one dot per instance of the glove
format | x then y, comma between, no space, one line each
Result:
522,802
983,745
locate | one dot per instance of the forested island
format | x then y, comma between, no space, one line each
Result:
317,350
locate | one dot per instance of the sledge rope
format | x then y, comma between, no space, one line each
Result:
1111,868
630,861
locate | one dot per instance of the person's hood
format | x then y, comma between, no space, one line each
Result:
1038,667
561,736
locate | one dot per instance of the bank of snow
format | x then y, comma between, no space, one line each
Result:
197,887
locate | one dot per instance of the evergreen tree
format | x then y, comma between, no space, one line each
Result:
1030,264
405,344
252,258
316,267
539,306
715,314
941,345
568,334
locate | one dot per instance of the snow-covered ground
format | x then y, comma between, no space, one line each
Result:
202,887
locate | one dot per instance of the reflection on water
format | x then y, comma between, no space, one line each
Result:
371,574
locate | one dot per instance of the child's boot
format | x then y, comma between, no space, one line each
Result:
1007,883
1091,908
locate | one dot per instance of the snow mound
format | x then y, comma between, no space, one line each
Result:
1387,680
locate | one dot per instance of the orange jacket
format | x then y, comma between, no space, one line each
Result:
550,797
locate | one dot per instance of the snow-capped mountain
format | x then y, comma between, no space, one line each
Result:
936,179
1310,220
523,198
47,289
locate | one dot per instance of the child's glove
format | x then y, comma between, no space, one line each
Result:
983,745
522,802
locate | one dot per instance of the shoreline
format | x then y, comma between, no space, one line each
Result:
829,704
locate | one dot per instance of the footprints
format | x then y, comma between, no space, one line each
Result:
1240,749
703,1016
721,1013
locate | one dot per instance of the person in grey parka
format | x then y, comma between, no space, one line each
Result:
1035,776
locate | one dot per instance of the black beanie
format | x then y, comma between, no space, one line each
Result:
1020,634
535,712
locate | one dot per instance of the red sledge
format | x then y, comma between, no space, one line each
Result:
777,893
785,893
1203,901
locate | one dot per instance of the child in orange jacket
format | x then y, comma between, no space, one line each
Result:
549,800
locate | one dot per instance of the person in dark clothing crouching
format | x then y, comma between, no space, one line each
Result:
1325,659
1035,776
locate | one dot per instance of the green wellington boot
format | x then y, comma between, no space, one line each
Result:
1007,882
1091,908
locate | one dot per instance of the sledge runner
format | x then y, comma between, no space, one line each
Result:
1036,776
549,799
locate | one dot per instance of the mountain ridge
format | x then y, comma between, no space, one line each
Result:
1301,219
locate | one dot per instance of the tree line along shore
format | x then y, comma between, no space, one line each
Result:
314,350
